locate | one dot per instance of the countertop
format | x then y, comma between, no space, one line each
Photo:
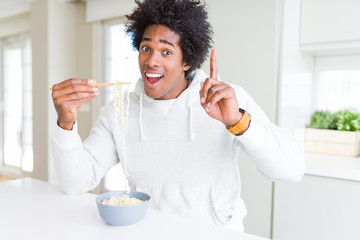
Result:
33,209
333,166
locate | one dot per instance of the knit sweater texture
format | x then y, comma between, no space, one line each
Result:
184,159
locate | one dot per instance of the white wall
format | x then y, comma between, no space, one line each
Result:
246,39
39,41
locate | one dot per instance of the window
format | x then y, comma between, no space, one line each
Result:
16,104
333,85
121,59
337,83
121,64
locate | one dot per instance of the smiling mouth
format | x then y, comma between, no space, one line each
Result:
153,78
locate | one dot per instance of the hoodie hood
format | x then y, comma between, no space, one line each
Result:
190,95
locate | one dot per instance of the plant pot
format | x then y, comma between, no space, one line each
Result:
344,143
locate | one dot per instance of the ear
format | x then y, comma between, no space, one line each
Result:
186,67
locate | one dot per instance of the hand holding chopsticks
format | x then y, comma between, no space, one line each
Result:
71,94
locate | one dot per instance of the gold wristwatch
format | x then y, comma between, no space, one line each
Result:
242,125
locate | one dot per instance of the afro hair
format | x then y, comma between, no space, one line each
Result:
188,18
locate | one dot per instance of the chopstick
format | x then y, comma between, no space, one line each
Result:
104,84
107,84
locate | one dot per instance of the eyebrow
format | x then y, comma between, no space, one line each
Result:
161,40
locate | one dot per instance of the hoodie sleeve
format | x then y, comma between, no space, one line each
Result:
81,165
276,154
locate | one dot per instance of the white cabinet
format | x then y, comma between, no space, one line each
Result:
317,208
332,26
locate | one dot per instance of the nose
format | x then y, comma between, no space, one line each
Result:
154,59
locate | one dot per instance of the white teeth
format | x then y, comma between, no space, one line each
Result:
153,75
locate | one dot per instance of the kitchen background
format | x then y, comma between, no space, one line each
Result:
292,56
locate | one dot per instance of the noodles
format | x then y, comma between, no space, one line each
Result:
119,108
122,110
124,200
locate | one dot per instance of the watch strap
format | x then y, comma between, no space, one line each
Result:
242,125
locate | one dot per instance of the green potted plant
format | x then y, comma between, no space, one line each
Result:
334,133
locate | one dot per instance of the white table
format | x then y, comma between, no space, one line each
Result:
33,209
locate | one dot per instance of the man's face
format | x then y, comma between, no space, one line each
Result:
160,62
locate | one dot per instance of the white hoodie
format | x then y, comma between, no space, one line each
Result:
185,160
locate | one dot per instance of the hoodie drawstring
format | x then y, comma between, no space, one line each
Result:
191,130
140,117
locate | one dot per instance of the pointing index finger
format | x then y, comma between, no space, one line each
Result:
213,65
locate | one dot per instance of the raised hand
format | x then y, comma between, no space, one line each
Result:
218,98
68,96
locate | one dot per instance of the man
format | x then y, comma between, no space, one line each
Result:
185,128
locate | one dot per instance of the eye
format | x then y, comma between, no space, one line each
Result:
145,49
167,52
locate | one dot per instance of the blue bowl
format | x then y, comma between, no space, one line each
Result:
123,215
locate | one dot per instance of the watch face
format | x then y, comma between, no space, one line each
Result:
243,111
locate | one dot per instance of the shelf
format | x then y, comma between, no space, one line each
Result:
331,48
